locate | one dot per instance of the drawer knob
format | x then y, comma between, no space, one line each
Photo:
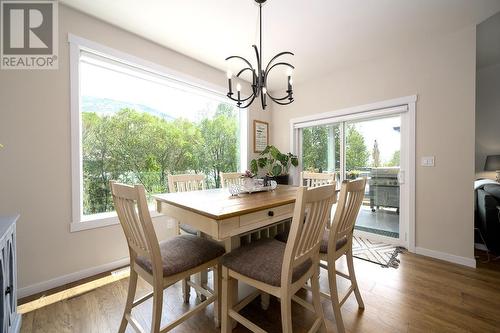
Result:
270,213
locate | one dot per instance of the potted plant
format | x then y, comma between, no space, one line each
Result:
275,164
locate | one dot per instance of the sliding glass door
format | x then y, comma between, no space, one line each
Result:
366,147
373,149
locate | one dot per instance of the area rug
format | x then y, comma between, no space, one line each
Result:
382,254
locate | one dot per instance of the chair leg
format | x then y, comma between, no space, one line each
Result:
334,297
157,306
229,286
354,282
186,290
132,286
265,299
317,299
286,313
218,291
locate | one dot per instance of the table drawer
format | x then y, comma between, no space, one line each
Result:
267,214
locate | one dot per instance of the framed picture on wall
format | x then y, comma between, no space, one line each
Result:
260,136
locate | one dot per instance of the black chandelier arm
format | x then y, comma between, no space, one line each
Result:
277,56
276,98
241,100
259,64
266,74
278,101
278,64
248,104
241,58
245,69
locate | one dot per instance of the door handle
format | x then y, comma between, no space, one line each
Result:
401,177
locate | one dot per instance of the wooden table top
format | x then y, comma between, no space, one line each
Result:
218,204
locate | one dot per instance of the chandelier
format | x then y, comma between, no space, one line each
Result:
260,75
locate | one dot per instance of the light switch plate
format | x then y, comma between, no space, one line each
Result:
427,161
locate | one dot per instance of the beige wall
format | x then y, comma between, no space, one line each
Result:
442,73
35,165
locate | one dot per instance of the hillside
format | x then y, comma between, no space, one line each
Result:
106,106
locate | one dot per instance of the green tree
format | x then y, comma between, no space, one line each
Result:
176,146
220,143
315,148
98,165
137,147
376,155
357,154
134,151
395,159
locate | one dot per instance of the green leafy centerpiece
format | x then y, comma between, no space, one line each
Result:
274,164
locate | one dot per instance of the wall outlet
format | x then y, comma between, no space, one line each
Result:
427,161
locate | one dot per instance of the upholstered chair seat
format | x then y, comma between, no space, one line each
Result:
323,248
262,261
182,253
188,229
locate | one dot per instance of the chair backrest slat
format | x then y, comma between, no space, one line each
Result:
231,178
310,216
133,213
348,206
315,179
186,182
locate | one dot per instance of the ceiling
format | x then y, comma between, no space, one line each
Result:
488,42
325,35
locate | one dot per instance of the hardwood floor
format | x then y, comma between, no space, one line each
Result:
423,295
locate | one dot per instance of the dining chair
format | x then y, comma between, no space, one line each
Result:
311,180
231,178
281,269
337,242
161,264
314,179
187,183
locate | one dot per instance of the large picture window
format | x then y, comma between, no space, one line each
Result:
138,125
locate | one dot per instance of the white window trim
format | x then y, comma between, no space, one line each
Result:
78,222
405,105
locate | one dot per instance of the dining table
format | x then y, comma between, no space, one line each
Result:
217,214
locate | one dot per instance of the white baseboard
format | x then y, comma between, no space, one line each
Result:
72,277
469,262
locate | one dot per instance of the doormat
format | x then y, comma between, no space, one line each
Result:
385,255
377,231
